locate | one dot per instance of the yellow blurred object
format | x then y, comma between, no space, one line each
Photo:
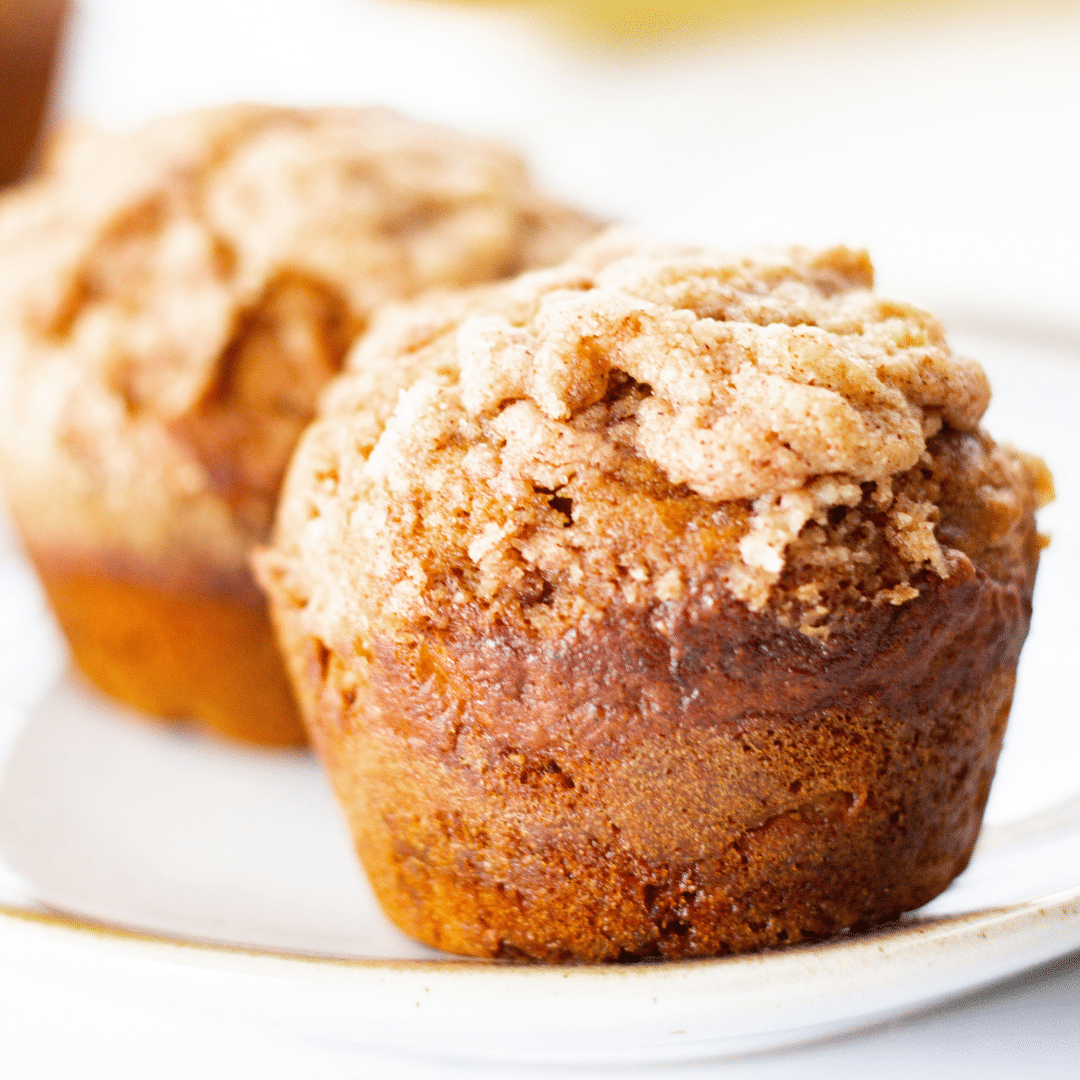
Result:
641,18
656,19
638,18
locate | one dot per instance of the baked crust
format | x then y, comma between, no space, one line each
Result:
732,822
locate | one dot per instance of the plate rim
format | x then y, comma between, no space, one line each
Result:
717,1003
898,933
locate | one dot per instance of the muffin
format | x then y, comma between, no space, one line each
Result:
662,604
171,302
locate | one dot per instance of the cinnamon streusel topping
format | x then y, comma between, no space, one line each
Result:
610,427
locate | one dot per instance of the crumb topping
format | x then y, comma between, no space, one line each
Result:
206,274
626,426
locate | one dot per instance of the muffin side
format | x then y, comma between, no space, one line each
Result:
577,706
171,303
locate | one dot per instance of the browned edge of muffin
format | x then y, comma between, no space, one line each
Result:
189,643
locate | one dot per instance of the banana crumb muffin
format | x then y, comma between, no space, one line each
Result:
660,604
171,302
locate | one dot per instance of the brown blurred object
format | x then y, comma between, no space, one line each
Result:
29,36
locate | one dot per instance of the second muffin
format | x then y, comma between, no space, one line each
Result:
171,302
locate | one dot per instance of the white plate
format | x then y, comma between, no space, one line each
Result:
231,874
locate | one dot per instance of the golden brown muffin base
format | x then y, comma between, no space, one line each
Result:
183,655
703,783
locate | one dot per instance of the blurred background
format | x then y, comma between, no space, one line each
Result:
943,136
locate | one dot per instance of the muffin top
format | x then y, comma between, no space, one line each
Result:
631,427
172,299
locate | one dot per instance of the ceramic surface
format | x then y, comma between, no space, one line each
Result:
215,877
